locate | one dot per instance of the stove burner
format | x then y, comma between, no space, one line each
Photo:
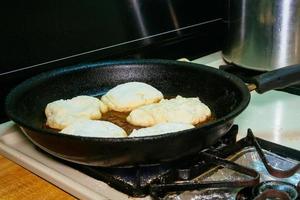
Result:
247,74
283,187
269,190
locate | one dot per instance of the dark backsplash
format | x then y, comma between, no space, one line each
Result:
43,35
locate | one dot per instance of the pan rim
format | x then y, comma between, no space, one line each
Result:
232,78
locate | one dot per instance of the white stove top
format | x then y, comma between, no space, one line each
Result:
273,116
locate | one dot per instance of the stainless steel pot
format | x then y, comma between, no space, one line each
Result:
263,34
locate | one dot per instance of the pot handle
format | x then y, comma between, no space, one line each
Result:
276,79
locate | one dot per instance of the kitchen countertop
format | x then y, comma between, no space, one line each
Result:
18,183
273,116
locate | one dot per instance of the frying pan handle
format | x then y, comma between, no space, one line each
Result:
277,79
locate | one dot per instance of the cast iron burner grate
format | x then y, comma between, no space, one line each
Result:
247,74
164,179
251,188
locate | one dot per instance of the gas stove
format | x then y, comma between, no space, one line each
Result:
227,170
231,168
248,169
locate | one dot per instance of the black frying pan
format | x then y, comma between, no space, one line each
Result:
225,94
